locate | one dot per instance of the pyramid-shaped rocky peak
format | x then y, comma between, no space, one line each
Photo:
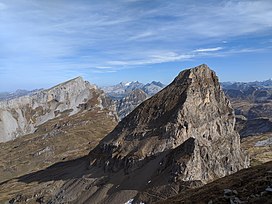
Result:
183,133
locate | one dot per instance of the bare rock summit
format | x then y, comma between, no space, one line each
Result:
193,109
180,138
21,116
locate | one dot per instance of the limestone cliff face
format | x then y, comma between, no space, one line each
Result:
184,133
22,115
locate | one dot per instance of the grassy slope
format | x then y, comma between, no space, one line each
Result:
258,155
60,139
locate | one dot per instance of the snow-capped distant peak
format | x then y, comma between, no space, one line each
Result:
128,83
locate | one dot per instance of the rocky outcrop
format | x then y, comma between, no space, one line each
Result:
182,137
192,113
22,115
130,102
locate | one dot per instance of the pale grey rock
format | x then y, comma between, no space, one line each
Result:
232,196
20,116
127,104
235,192
264,143
263,193
153,88
269,189
43,151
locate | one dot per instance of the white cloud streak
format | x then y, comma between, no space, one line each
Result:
142,36
153,59
208,49
106,35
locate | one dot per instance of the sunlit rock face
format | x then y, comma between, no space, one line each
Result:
192,109
180,138
22,115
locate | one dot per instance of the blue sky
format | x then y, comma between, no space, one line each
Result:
43,43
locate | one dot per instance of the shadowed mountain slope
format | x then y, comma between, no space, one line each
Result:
180,138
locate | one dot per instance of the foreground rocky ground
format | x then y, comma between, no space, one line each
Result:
252,186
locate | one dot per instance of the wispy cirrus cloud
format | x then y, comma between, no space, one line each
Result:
143,35
208,49
157,58
81,35
165,57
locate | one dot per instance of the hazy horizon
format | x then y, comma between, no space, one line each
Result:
47,43
124,81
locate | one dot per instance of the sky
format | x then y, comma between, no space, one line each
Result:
43,43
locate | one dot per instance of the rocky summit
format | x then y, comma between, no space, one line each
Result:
180,138
22,115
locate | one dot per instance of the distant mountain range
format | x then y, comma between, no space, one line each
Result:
122,89
16,94
128,95
245,85
255,91
243,89
252,102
